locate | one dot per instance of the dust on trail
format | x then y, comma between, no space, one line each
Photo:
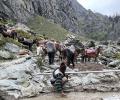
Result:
80,96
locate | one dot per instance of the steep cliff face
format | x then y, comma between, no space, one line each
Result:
20,10
68,13
60,11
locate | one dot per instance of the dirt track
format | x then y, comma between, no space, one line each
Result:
89,67
80,96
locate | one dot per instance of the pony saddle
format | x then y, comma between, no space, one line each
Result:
90,51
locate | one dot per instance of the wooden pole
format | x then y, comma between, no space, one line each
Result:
83,72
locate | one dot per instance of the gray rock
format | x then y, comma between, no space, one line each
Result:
109,52
114,63
68,13
12,47
5,96
4,55
90,78
17,76
75,81
107,77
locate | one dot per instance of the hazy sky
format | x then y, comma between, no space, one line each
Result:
106,7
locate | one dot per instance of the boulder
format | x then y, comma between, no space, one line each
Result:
12,47
5,96
109,52
75,81
114,63
110,77
90,79
4,55
24,52
17,76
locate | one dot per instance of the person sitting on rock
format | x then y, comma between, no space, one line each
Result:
59,78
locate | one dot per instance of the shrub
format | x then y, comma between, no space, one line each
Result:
97,36
23,34
117,55
39,62
2,42
9,40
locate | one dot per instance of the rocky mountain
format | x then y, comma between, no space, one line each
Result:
68,13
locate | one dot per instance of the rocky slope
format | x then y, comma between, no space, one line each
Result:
69,13
23,77
61,11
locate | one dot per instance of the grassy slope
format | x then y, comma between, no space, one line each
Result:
42,26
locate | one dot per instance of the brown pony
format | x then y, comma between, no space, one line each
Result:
70,56
3,31
91,54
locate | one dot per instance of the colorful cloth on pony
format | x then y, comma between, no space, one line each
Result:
90,50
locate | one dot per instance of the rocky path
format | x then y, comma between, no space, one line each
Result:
80,96
23,78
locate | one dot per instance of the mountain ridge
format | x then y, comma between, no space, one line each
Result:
68,13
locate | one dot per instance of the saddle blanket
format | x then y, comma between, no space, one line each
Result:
90,50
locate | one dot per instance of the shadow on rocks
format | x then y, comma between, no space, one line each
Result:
5,96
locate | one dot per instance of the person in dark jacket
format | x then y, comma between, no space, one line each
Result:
59,78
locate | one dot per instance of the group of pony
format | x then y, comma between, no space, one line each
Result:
11,33
71,57
64,53
85,53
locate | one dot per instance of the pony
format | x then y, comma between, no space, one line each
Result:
11,33
41,50
91,53
27,42
71,57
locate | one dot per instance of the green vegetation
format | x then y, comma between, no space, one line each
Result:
5,55
24,34
117,55
2,41
82,38
97,36
39,62
43,26
7,21
28,36
9,40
